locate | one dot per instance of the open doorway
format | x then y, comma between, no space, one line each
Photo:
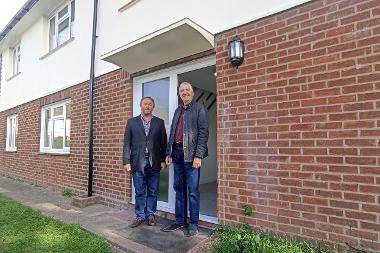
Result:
204,84
163,86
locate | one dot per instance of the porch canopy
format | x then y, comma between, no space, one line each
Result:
176,41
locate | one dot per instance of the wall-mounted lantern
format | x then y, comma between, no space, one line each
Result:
236,47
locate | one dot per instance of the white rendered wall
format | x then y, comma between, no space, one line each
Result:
70,65
117,29
67,66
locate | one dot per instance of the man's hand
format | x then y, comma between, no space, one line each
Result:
127,167
197,162
168,160
163,165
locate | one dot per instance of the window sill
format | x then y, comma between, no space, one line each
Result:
128,5
55,153
11,150
14,76
57,48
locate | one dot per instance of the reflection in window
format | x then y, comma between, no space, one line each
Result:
56,128
16,59
61,25
12,125
159,91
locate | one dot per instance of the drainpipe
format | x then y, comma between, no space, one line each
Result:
90,104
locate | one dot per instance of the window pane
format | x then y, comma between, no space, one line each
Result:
72,19
15,61
12,133
58,132
47,128
68,125
52,33
16,130
72,11
58,111
159,91
67,133
63,12
68,111
10,129
63,31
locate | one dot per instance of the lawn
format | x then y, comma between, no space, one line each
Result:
24,230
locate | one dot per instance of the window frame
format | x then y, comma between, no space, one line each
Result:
51,107
16,59
12,128
57,21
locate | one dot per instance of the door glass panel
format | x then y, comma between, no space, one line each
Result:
159,91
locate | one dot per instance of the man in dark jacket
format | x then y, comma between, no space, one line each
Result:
144,155
186,148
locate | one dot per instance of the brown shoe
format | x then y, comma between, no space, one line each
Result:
152,222
136,223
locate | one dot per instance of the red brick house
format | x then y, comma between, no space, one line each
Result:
295,128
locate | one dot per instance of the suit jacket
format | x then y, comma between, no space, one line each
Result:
135,142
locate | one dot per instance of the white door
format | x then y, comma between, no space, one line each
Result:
162,86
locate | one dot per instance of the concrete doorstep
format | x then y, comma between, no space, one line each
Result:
109,223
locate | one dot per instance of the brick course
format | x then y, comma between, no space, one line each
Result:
298,123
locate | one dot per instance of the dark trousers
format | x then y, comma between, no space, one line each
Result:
185,172
146,183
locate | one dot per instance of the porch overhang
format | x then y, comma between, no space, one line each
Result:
181,39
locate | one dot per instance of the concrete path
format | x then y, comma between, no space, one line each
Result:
107,222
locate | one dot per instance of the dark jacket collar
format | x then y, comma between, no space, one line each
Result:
188,106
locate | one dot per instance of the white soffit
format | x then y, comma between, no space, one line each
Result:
178,40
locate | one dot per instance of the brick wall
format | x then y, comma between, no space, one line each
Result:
1,70
299,123
112,106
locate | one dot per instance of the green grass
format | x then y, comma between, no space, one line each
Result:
245,240
23,230
68,193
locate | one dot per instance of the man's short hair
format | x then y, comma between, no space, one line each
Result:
150,98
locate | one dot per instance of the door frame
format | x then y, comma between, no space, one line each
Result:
172,73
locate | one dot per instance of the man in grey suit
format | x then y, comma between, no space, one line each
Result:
144,155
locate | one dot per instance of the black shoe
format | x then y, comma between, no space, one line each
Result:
193,230
172,227
152,222
136,223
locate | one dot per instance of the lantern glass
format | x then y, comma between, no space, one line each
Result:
232,50
237,50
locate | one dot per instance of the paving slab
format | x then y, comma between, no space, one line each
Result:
109,223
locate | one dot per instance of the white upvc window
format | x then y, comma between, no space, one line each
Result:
16,59
12,125
55,128
61,25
